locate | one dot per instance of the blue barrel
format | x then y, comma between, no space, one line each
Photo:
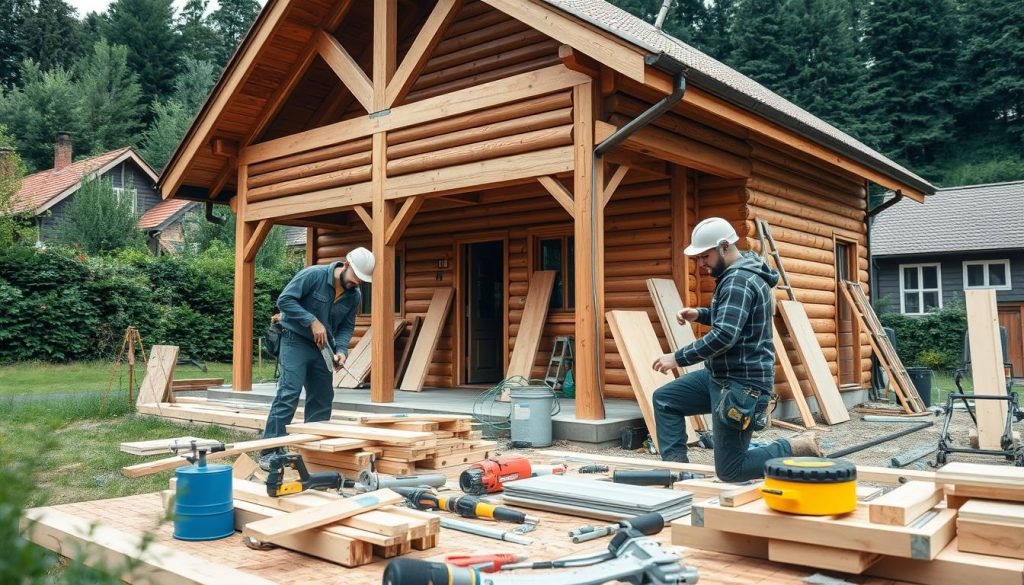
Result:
203,504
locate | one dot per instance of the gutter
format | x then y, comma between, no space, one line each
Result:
210,217
668,65
887,204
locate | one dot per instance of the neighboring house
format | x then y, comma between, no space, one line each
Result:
969,237
46,195
294,237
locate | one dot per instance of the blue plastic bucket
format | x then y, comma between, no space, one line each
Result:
203,505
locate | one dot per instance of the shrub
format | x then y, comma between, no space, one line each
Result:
934,340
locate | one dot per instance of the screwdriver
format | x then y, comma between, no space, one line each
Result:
465,506
485,563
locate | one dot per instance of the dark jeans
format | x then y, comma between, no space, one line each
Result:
697,393
301,364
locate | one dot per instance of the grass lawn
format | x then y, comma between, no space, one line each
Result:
95,376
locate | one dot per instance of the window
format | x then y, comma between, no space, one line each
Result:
366,288
559,254
987,274
920,288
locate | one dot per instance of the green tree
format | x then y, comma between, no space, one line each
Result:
715,28
15,226
681,21
99,219
912,47
146,27
12,19
170,122
52,35
198,39
110,99
760,47
194,83
231,20
43,106
202,235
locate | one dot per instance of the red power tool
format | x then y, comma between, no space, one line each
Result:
487,477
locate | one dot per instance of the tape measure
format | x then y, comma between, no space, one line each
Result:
812,486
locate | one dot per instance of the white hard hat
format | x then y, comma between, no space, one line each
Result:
361,260
708,234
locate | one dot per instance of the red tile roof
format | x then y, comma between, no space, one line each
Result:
39,188
161,212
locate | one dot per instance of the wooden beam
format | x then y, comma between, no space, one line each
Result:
403,218
382,313
588,231
364,215
245,282
556,24
560,193
346,68
578,62
222,179
224,148
681,150
904,504
269,529
614,182
987,372
169,463
464,101
385,47
705,101
252,247
419,53
312,203
821,557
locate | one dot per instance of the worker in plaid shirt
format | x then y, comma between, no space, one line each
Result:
736,382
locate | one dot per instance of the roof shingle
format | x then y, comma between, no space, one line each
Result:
39,188
973,217
161,212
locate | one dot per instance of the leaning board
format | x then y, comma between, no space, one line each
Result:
638,347
986,365
818,373
531,326
357,366
159,373
426,343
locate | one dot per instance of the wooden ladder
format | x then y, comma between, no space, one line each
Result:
901,383
561,360
768,247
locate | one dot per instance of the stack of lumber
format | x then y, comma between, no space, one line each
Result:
400,443
990,500
195,384
160,446
346,531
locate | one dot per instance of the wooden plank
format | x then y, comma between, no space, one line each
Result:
993,512
144,561
244,467
638,347
269,529
818,374
357,366
698,537
156,384
346,68
531,325
378,522
376,434
986,365
385,48
964,492
423,353
889,476
626,462
952,567
324,544
851,531
310,203
614,182
159,465
794,382
741,495
364,215
259,233
195,384
821,557
382,293
1009,479
560,193
403,218
905,504
403,362
990,538
665,145
157,446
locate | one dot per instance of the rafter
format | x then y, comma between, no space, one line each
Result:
418,54
346,68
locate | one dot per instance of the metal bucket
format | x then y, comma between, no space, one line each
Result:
203,505
532,409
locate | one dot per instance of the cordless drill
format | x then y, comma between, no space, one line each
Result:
489,476
322,480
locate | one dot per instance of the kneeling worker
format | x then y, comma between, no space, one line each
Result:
318,309
739,358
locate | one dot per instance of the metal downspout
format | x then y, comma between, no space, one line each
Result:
210,217
676,69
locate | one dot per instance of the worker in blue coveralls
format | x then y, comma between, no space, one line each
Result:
736,383
318,310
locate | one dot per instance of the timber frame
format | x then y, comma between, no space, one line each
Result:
383,150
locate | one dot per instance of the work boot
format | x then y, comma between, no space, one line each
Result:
806,446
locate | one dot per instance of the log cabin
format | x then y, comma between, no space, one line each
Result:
470,143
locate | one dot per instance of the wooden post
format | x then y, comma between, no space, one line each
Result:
589,241
385,47
245,281
382,311
680,269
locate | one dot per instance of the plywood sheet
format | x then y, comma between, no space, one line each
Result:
986,365
426,343
818,374
156,385
531,327
357,366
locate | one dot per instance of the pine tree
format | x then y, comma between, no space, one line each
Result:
716,29
51,34
146,28
43,106
194,83
14,226
198,39
110,99
12,18
98,219
912,45
170,122
991,65
760,50
231,20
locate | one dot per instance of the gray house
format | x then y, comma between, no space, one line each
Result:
925,256
46,195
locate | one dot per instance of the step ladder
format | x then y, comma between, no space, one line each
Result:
561,361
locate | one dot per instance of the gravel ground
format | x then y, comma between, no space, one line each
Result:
842,436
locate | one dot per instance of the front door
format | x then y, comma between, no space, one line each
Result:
849,350
484,312
1011,317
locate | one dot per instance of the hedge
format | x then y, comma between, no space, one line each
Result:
57,304
934,340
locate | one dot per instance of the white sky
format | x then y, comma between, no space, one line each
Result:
86,6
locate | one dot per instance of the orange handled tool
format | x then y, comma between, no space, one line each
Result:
485,563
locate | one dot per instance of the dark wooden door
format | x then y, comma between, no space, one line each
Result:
1012,319
849,358
484,311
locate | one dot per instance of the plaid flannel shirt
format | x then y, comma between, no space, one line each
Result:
739,346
